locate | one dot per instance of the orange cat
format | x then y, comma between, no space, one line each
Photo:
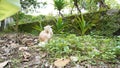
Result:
45,35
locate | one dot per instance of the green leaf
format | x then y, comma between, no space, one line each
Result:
8,8
59,4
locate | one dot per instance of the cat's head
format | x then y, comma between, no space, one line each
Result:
48,28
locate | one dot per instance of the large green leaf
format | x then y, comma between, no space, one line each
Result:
8,8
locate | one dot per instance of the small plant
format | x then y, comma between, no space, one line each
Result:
38,27
15,62
83,26
59,48
59,25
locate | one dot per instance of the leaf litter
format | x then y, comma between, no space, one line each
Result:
23,52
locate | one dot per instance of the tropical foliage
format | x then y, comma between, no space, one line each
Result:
8,8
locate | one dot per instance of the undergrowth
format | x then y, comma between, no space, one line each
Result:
89,48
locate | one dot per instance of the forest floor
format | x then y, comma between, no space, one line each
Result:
21,51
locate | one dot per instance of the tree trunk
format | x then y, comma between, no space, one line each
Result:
71,12
2,25
16,22
76,5
60,14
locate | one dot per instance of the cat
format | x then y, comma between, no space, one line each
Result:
45,35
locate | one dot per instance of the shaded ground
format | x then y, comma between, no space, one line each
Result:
21,51
12,48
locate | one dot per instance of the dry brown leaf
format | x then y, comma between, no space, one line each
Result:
26,56
61,62
23,48
43,55
2,41
14,45
3,64
29,43
24,40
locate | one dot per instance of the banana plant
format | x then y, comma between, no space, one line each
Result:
8,8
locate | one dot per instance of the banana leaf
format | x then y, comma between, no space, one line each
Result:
8,8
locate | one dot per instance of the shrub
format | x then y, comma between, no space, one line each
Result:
84,47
